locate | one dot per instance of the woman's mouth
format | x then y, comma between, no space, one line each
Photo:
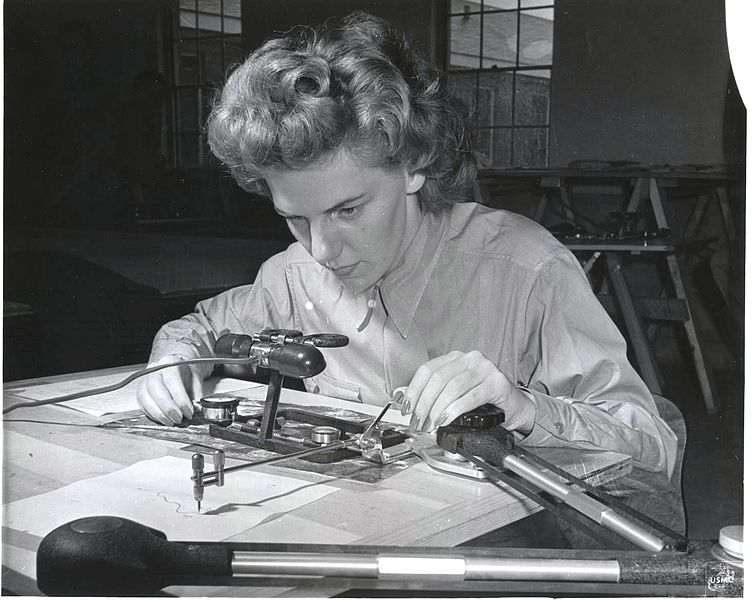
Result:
346,271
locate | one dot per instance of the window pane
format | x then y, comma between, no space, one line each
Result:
533,3
495,146
500,4
464,41
234,53
531,147
531,97
188,110
495,99
212,61
464,6
187,65
207,17
207,45
536,37
500,40
464,85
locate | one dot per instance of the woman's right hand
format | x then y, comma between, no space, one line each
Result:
166,396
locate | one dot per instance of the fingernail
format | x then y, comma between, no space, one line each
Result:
175,415
414,422
405,408
442,420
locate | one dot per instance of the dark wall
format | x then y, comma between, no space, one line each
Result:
69,68
421,20
641,80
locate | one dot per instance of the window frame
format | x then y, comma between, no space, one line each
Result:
481,72
190,139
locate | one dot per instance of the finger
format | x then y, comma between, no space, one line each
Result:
178,382
420,380
436,385
150,406
197,391
162,391
456,387
471,400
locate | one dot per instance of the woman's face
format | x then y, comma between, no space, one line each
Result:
353,220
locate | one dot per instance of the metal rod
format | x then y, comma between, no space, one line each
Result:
411,566
275,459
270,406
591,508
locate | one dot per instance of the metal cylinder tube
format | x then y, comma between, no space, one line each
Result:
590,507
417,567
529,569
299,564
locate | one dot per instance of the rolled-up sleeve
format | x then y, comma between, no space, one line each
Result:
244,309
574,367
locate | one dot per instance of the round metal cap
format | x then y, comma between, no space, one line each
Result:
731,539
96,524
229,403
323,434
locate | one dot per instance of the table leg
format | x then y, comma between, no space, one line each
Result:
703,370
643,352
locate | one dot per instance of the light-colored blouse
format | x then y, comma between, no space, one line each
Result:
473,278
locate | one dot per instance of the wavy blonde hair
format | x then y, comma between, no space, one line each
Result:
352,85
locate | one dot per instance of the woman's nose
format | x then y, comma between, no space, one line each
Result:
325,243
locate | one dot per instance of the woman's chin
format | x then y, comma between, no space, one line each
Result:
355,285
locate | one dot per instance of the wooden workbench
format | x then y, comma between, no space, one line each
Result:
49,447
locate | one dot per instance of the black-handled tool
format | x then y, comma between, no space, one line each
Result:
290,359
480,438
112,556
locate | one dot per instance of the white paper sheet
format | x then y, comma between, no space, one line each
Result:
159,493
122,400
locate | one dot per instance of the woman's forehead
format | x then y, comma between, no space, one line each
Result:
323,186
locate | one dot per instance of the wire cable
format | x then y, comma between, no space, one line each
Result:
132,377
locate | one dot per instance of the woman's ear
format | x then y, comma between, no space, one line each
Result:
415,181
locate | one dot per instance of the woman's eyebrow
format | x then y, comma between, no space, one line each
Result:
345,202
334,208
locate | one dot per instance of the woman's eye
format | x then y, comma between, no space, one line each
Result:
349,211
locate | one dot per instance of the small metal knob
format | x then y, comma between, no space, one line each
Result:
324,434
482,417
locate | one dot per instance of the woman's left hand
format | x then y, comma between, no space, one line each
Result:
447,386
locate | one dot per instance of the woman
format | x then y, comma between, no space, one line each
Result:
367,156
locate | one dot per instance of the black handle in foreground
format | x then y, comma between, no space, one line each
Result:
106,556
112,556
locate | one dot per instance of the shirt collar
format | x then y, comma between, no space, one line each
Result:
403,287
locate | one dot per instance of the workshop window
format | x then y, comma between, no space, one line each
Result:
499,61
205,42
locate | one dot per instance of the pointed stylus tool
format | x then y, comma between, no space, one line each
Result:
376,421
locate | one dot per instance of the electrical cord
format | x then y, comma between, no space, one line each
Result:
132,377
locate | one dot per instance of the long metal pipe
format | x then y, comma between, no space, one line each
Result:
590,507
417,567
